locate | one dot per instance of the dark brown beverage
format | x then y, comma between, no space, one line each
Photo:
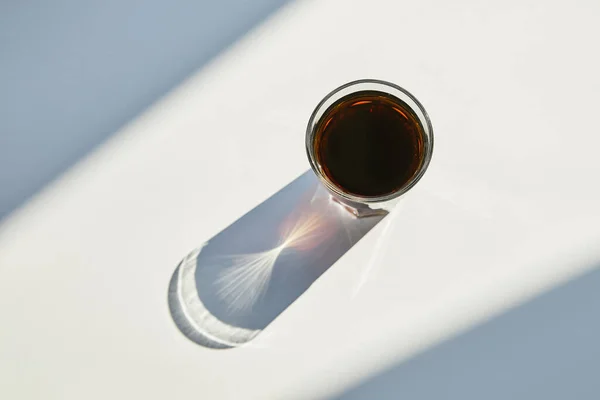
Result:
369,144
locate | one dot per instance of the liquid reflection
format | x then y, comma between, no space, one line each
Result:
227,291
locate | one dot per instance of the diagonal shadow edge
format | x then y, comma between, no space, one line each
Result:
545,348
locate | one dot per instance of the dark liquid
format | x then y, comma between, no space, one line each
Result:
369,144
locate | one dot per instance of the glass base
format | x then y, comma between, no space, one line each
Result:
360,210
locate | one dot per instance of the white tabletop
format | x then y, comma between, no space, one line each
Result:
507,209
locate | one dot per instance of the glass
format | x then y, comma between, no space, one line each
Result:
360,205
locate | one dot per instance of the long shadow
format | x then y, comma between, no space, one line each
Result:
547,349
73,72
227,291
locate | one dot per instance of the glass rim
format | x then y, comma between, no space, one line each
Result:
425,122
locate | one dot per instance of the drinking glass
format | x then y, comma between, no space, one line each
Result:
364,206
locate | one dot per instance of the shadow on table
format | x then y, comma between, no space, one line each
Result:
548,348
227,291
73,73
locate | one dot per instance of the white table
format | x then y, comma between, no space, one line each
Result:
507,209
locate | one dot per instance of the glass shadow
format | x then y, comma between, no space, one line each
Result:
228,290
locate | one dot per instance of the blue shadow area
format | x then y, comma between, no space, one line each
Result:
73,72
229,290
548,348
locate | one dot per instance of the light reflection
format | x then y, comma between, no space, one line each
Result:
225,293
376,254
346,219
243,283
192,317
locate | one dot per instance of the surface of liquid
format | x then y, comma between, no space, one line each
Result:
369,144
